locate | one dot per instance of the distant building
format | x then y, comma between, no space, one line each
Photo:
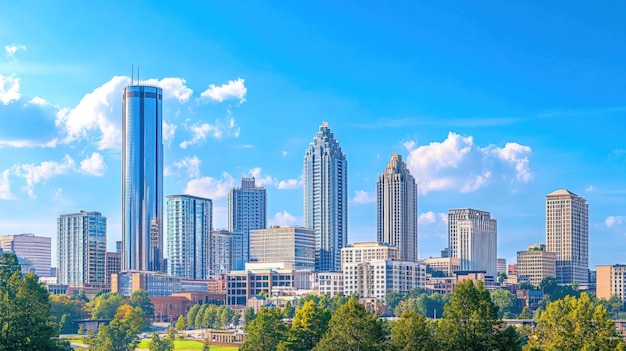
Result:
501,265
118,246
113,265
535,264
30,249
567,234
247,210
396,208
367,251
290,244
156,284
472,237
375,278
325,182
189,224
224,249
446,265
330,283
81,247
611,280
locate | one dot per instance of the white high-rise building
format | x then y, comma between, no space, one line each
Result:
30,249
189,223
325,181
223,256
294,246
472,237
396,207
247,210
567,234
82,244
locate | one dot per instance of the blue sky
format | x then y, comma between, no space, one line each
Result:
492,106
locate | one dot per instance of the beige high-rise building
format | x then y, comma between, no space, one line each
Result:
472,237
447,265
567,234
535,264
611,280
396,207
367,251
295,246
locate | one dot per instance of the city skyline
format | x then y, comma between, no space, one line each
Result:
486,115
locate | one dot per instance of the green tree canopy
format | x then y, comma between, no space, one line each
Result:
117,336
505,301
412,332
161,344
105,306
248,316
574,324
181,323
288,311
266,331
307,328
353,328
64,310
141,299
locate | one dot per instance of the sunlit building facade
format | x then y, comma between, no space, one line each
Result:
247,210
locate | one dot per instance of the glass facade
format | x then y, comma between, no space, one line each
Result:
142,183
247,210
325,198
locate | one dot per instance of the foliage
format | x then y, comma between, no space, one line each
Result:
248,317
191,316
24,311
428,305
135,318
117,336
354,328
527,286
525,314
557,292
307,328
574,324
105,306
265,331
288,311
412,332
181,323
505,301
470,322
161,344
141,299
64,310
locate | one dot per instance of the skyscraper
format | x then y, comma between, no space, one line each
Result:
396,207
247,210
81,246
142,182
326,198
567,234
294,246
32,251
472,238
189,224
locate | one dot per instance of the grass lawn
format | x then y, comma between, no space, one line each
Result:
188,345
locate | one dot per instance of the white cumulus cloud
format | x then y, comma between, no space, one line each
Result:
34,174
9,89
93,165
169,130
10,50
259,178
191,166
427,218
458,164
289,184
615,220
363,197
234,89
209,187
284,218
175,88
217,130
5,186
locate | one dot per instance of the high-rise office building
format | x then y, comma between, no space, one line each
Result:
30,249
247,210
610,281
535,264
225,253
472,237
294,246
396,207
567,234
81,246
142,182
189,224
113,265
325,181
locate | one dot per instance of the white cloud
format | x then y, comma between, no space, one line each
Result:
363,197
169,130
210,187
10,50
284,218
289,184
200,132
284,153
427,218
93,165
458,164
615,220
9,89
259,179
34,174
175,88
409,145
39,101
234,89
590,188
5,186
28,143
191,165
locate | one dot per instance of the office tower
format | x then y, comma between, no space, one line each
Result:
225,253
142,182
535,264
31,249
189,224
118,246
472,237
294,246
396,207
502,265
112,265
82,244
567,234
610,281
326,198
247,210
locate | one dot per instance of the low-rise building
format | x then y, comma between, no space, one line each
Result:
330,283
447,265
535,264
156,284
375,278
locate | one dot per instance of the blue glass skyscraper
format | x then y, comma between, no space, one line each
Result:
142,182
326,198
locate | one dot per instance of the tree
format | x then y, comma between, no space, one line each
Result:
140,298
105,306
248,317
505,302
25,311
161,344
117,336
307,328
525,314
354,328
181,323
470,322
64,310
574,324
288,310
265,331
392,299
191,316
615,302
412,332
